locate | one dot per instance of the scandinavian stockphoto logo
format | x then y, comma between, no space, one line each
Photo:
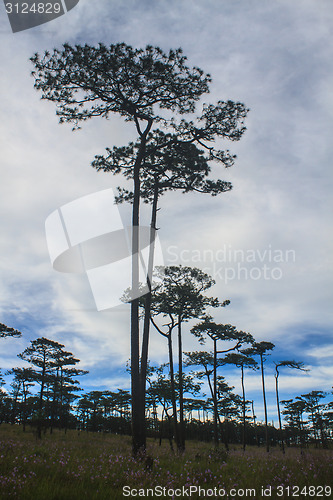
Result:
230,264
24,15
88,236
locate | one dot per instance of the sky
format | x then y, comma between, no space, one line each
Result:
267,242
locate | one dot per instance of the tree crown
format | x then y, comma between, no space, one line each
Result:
169,165
218,331
87,81
180,293
6,331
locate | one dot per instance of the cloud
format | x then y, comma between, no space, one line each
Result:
321,352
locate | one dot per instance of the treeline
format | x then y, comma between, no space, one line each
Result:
43,393
47,395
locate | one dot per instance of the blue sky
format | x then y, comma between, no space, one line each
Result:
276,57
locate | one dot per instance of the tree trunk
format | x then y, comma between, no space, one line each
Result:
61,412
301,431
146,324
53,406
138,406
155,420
264,397
322,432
40,405
244,410
181,399
24,409
315,433
216,436
137,437
173,392
213,391
279,412
254,424
13,416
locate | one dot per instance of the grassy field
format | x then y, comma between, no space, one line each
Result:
90,466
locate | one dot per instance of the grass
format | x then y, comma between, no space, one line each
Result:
90,466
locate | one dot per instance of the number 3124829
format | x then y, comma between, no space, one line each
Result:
35,8
307,491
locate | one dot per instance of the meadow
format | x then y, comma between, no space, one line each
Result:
77,466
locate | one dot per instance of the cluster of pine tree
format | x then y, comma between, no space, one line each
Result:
46,394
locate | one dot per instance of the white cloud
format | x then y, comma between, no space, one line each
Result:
321,352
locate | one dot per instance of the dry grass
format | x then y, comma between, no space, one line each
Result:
91,466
